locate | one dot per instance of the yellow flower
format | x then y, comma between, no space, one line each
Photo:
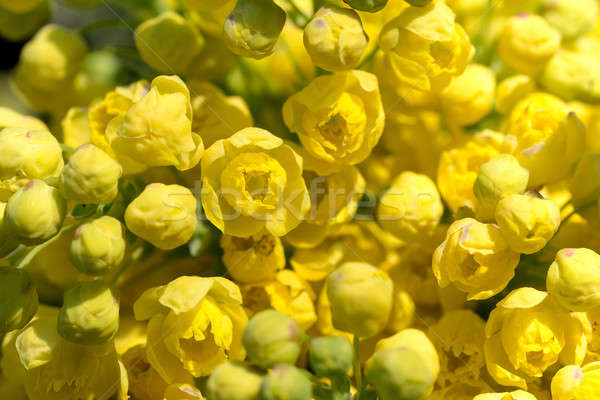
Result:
157,129
458,168
334,199
527,42
194,325
527,222
577,383
574,279
90,177
28,154
252,181
476,258
335,39
411,208
287,293
424,48
76,127
527,333
361,298
164,215
217,116
253,259
458,338
470,96
339,118
168,43
511,90
515,395
316,263
549,139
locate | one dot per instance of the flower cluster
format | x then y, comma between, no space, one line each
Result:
300,200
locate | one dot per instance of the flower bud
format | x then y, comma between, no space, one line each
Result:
272,338
574,279
371,6
168,43
98,246
331,355
35,213
571,18
253,28
576,383
253,259
399,374
499,177
16,26
90,177
361,298
572,76
286,382
233,380
18,299
511,90
90,313
527,222
335,39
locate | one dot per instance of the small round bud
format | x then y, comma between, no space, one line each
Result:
168,43
399,374
574,279
90,313
361,298
272,338
233,380
90,177
286,382
35,213
253,28
512,90
331,355
98,246
335,38
572,76
499,177
18,299
16,26
571,18
371,6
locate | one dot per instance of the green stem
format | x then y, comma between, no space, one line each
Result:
357,371
37,249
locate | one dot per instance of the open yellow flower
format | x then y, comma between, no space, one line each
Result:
195,324
252,181
253,259
526,334
476,258
515,395
339,118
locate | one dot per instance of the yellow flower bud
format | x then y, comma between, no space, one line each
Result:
76,127
527,222
255,259
286,382
272,338
411,208
512,90
497,178
341,128
89,314
335,39
470,96
574,279
576,383
252,181
528,333
18,299
572,76
549,139
164,215
35,213
168,42
12,119
234,381
331,356
253,28
416,340
516,395
476,258
90,177
98,246
18,26
28,154
411,43
361,299
403,312
571,18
